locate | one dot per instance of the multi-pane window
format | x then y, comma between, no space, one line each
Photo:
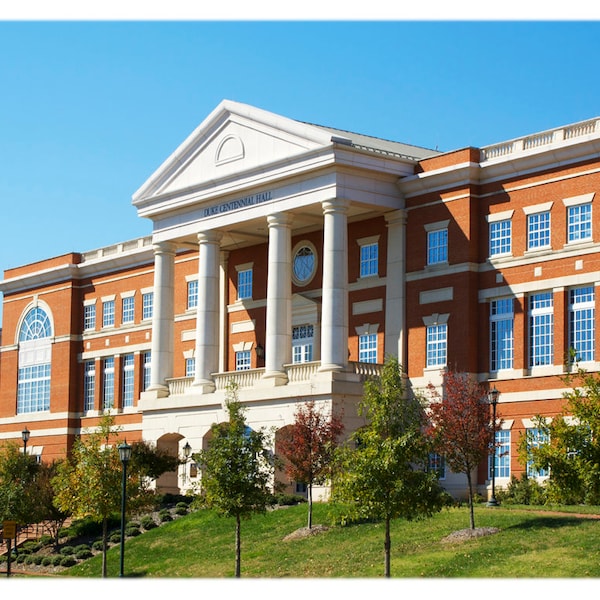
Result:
108,388
367,348
302,343
541,329
437,343
501,334
242,360
128,309
190,367
147,372
538,230
369,258
501,460
536,438
579,222
581,322
89,384
244,286
128,380
500,237
192,294
89,316
437,246
437,463
108,313
147,305
33,377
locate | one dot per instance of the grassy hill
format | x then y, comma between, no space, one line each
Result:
201,545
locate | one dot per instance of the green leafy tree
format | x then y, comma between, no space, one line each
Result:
570,451
236,469
308,446
385,476
461,426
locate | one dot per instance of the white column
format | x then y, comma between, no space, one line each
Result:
207,316
334,318
223,281
163,318
395,298
278,342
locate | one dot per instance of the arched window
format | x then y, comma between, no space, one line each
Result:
35,333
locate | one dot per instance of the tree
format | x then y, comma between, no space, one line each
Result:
236,469
385,475
308,446
89,482
568,445
461,427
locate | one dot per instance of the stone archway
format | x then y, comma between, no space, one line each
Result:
168,483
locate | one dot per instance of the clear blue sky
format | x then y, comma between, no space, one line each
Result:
88,110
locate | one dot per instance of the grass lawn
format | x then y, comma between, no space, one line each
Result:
201,545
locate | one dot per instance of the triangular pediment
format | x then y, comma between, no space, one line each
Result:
233,141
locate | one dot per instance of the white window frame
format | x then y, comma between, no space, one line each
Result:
147,305
369,256
582,319
502,334
108,312
244,282
128,309
89,385
541,326
89,316
303,340
108,383
192,294
128,367
243,360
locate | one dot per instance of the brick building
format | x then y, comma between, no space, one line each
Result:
291,258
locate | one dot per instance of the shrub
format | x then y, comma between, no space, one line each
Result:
3,558
288,499
56,559
65,532
83,554
181,510
148,522
46,540
97,545
115,538
47,561
522,491
32,546
20,558
132,531
68,561
81,547
37,559
165,516
29,559
24,550
67,550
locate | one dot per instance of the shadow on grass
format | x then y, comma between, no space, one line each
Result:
548,523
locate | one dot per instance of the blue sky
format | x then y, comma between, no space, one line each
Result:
89,109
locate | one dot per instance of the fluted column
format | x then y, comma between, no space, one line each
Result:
278,343
207,316
163,318
395,297
334,318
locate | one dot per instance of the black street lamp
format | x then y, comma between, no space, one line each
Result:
493,400
124,455
187,450
25,437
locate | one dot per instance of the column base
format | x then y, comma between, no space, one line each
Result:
204,386
273,379
154,392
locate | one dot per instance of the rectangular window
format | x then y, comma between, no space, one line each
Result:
192,294
535,439
538,230
437,246
437,463
190,367
108,388
244,286
242,360
500,237
108,313
89,384
502,459
579,222
437,343
541,329
128,380
581,322
147,373
33,389
89,316
367,348
369,260
302,343
147,305
128,309
501,334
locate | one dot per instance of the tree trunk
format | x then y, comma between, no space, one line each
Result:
238,546
104,545
387,545
471,508
310,506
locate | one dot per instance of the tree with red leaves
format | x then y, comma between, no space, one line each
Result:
461,426
308,445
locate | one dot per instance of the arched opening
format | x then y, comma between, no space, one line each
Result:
171,482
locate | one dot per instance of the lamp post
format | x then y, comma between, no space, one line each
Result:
124,455
493,400
25,437
187,450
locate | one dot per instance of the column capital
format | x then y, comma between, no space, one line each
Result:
165,248
335,205
279,218
210,236
398,217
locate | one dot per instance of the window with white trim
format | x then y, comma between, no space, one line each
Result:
108,313
128,380
108,383
89,317
369,259
502,458
192,293
190,367
501,334
147,305
541,329
500,237
244,284
437,246
437,344
536,438
89,384
538,230
579,222
437,463
303,338
128,314
242,360
147,370
582,322
367,348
